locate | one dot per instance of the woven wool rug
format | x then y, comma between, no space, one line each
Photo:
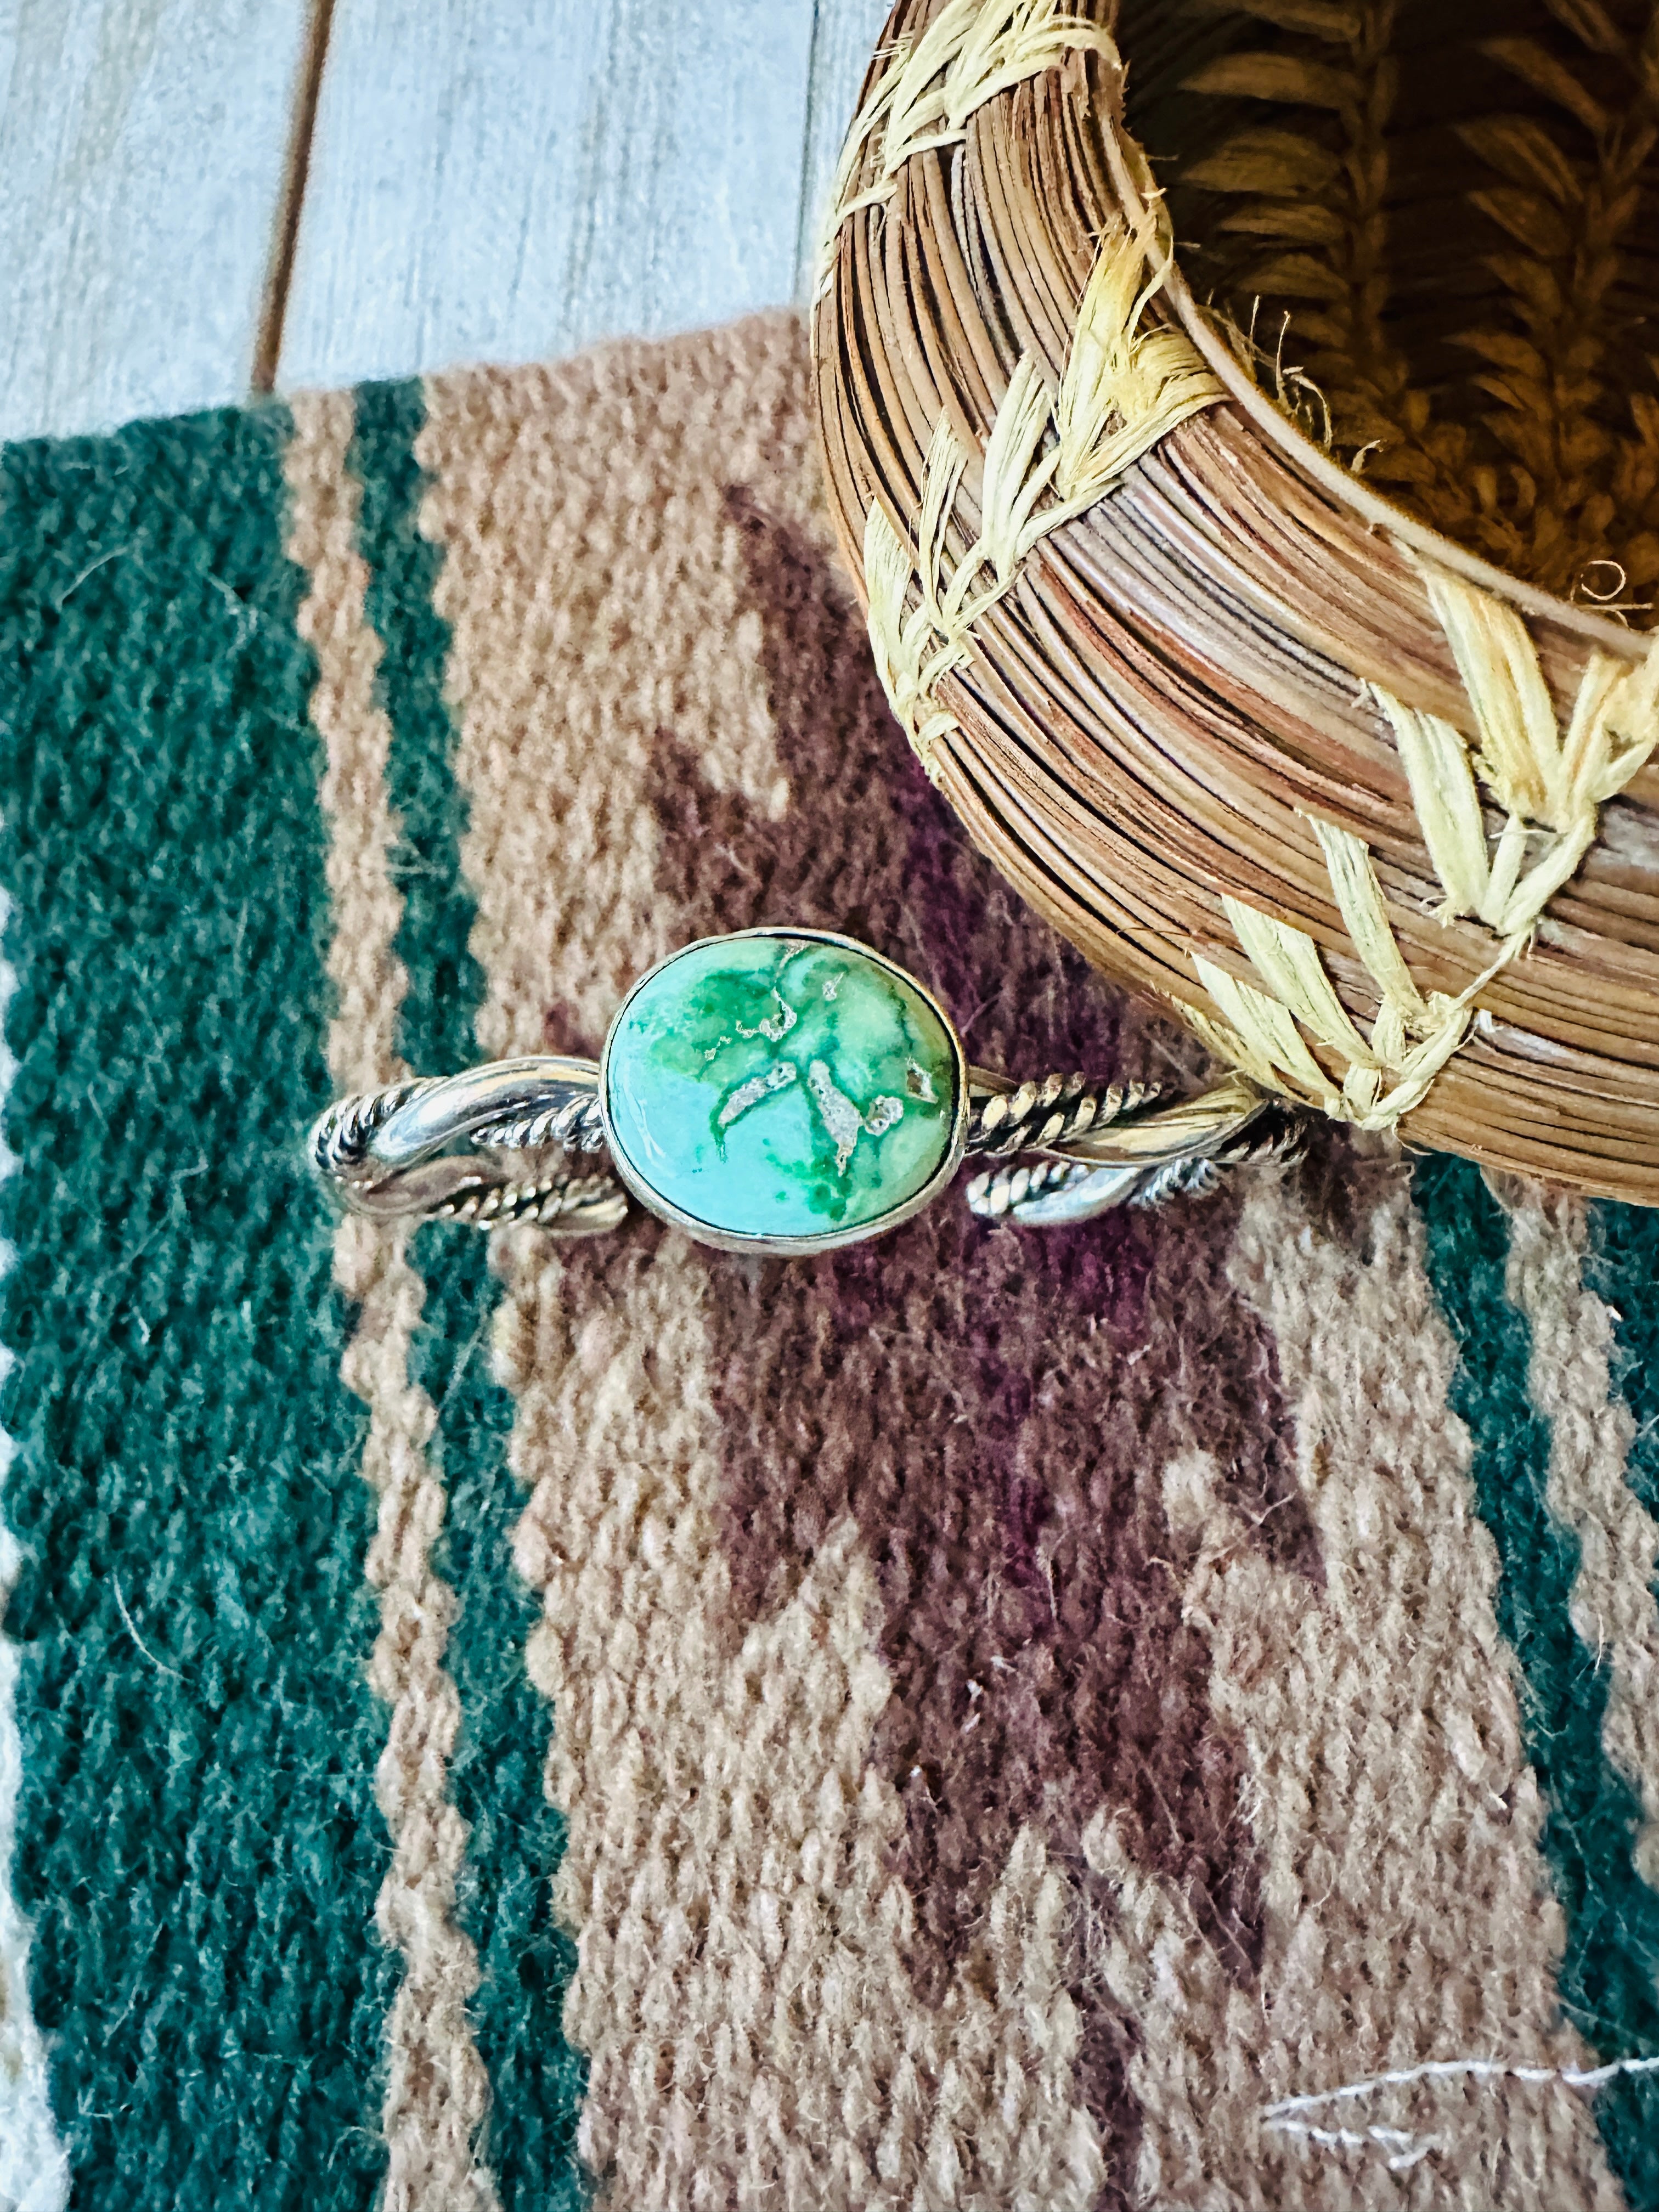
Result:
1165,1713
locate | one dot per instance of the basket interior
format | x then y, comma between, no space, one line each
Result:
1430,225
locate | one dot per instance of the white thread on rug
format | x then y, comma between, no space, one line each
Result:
436,2087
1405,2150
1435,1824
1613,1609
1404,1894
34,2171
1458,2070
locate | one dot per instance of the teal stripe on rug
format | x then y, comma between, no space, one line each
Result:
504,1894
198,1844
1609,1977
1623,1268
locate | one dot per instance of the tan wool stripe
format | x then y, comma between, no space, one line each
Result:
752,2034
1613,1607
583,625
1408,1915
756,2039
436,2089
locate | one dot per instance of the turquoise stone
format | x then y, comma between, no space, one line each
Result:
776,1086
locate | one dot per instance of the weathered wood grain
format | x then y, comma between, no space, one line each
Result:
844,35
510,182
143,145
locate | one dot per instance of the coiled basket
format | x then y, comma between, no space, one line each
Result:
1241,422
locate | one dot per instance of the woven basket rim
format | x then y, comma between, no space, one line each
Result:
1288,758
1341,483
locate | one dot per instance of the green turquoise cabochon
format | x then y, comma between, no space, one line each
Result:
782,1086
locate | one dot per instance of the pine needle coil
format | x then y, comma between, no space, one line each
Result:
1198,662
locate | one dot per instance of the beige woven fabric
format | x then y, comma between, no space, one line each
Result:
436,2089
1152,1714
813,1966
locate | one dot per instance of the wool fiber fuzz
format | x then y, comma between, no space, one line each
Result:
1158,1713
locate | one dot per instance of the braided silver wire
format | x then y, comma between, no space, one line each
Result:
587,1204
384,1163
1054,1153
1056,1111
577,1125
1049,1192
341,1140
996,1193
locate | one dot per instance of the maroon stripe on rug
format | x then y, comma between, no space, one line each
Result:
995,1408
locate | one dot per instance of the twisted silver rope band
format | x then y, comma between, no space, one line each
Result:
1056,1111
1081,1146
385,1153
1049,1192
341,1142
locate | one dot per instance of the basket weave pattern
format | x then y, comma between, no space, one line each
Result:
1375,818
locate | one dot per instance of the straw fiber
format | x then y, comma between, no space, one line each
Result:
1241,418
1156,1714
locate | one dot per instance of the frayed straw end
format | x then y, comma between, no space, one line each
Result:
1124,388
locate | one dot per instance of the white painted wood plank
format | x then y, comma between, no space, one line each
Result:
844,37
143,147
509,182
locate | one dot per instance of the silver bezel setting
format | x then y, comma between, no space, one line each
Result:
727,1240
